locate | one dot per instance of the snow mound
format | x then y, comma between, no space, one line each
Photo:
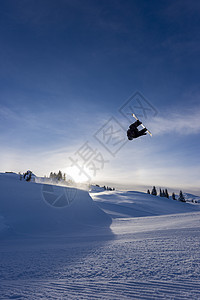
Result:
32,208
191,198
96,189
137,204
9,176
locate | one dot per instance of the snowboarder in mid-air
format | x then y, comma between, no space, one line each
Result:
133,132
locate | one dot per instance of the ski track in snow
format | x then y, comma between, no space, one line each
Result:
143,264
129,289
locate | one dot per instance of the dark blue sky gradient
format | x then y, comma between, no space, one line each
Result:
67,65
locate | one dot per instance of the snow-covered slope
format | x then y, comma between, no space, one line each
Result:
96,189
191,198
27,207
137,204
152,253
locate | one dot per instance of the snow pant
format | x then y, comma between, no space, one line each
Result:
135,124
142,132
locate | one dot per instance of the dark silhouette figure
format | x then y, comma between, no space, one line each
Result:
133,132
27,175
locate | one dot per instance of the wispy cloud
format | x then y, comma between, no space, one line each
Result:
46,120
6,113
182,123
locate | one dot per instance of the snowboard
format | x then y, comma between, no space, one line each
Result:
134,116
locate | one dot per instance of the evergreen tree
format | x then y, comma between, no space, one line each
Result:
64,177
181,197
148,191
161,193
154,192
59,176
173,196
166,194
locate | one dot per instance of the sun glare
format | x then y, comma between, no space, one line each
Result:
77,175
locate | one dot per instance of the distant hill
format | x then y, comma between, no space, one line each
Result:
191,198
120,204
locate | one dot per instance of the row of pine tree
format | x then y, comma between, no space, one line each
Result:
58,176
164,193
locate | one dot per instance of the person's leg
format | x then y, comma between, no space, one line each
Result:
142,132
132,126
135,125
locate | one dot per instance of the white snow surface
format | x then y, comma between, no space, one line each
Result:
150,251
40,209
119,204
191,198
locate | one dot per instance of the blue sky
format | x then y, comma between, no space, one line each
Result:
68,66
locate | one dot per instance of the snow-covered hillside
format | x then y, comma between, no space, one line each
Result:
27,207
67,248
191,198
120,204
